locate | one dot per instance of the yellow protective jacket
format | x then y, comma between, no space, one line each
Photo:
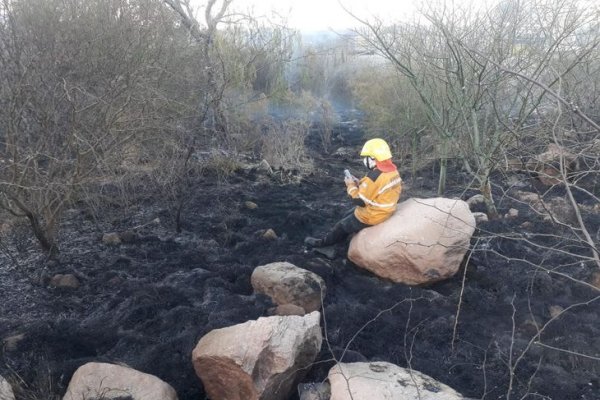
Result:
377,195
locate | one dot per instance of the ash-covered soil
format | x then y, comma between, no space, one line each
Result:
147,302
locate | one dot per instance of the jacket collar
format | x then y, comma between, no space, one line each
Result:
386,166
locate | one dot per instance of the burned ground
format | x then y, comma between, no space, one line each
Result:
147,302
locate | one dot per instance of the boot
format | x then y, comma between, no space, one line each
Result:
313,242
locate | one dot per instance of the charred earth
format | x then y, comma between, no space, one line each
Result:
147,301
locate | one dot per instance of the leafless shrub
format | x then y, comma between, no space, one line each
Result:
283,145
78,80
326,121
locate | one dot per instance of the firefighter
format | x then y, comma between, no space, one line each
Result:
375,196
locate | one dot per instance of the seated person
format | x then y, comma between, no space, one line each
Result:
376,195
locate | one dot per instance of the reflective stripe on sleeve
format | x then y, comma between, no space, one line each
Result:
374,204
390,185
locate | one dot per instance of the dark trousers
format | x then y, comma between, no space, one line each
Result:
340,231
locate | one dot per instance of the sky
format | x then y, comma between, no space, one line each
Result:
318,15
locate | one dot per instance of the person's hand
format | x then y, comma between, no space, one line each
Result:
350,181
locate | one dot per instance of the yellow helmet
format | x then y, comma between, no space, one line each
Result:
377,149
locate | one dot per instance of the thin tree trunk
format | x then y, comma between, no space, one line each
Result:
44,238
443,168
486,191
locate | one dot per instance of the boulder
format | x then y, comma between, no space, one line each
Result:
285,283
6,392
257,360
250,205
109,381
385,381
424,241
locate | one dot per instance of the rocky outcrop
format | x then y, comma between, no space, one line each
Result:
257,360
6,392
423,242
385,381
109,381
285,283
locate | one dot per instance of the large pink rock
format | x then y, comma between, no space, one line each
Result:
258,360
424,241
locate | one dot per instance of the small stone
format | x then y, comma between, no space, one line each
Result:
111,239
251,205
66,281
314,391
555,311
475,200
327,251
11,343
264,166
270,234
526,225
289,309
512,213
480,217
345,152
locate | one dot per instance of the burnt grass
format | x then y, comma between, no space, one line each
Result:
147,302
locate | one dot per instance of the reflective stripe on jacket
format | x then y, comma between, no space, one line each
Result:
380,192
